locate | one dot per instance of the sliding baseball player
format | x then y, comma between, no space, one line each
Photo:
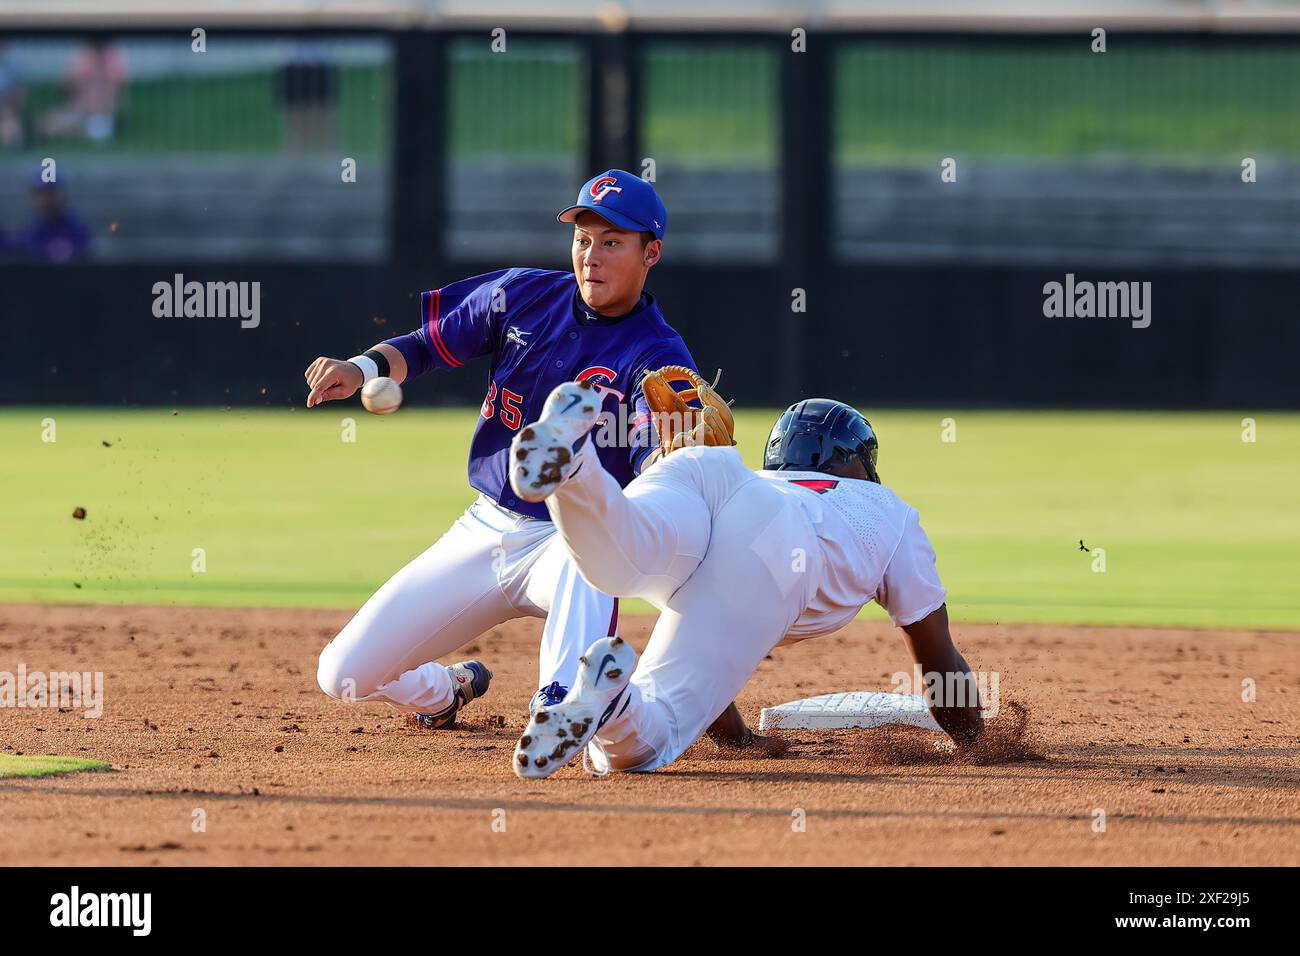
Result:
737,561
501,559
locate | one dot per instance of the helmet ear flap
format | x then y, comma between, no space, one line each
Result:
838,457
869,460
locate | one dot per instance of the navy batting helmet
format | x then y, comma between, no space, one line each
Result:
817,433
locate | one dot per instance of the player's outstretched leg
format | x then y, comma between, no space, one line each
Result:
555,735
748,592
543,455
645,540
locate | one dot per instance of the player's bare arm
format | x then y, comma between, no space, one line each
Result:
331,380
931,645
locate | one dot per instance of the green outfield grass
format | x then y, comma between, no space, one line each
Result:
25,765
1198,527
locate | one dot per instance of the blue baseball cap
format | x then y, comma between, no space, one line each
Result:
627,201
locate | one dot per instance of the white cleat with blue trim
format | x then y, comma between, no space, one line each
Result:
542,456
556,735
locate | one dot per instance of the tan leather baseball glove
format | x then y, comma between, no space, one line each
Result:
697,415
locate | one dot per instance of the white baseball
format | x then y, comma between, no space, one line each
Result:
381,396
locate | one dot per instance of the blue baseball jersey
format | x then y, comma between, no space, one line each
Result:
539,334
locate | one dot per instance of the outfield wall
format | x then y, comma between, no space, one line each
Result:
877,335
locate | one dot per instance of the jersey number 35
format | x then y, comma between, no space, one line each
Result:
511,415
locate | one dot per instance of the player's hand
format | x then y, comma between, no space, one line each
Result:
730,732
751,744
330,380
766,748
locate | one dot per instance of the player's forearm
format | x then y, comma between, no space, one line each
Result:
397,367
960,718
951,692
414,356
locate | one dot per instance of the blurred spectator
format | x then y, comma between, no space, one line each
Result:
57,233
94,85
308,90
12,99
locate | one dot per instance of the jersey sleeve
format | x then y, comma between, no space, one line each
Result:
457,323
643,434
910,589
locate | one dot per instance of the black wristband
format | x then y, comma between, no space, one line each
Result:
380,360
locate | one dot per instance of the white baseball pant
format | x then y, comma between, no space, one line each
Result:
729,559
491,566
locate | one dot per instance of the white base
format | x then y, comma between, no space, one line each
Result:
859,708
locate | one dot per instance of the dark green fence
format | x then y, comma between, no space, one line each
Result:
821,171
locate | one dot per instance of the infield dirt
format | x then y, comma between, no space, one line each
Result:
212,716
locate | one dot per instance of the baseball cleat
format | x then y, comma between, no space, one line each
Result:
542,455
550,695
555,735
470,681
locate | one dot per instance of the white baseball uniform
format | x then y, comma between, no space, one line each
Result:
491,566
738,561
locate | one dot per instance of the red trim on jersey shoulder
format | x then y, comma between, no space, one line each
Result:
435,333
819,485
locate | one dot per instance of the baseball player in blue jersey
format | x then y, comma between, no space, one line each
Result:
501,559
